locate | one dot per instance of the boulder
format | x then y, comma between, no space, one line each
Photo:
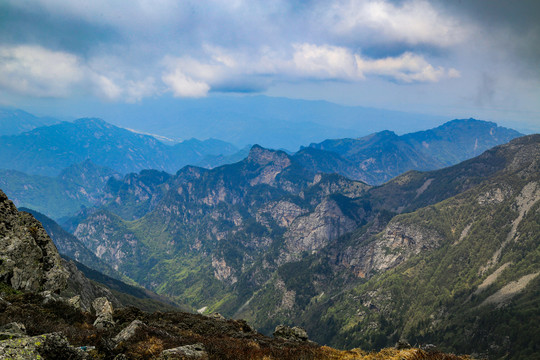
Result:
130,331
217,316
296,334
12,330
195,351
75,302
104,313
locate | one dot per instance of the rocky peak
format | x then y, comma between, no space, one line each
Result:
28,258
262,156
93,123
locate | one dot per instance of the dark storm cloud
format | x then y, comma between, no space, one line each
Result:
510,27
35,25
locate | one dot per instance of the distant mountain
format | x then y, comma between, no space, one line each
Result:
14,122
78,186
381,156
48,150
269,121
136,194
212,161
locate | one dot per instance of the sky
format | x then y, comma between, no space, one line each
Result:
460,59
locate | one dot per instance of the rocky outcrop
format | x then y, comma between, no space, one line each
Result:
282,212
83,291
130,331
195,351
28,258
47,346
12,331
316,230
104,313
395,244
295,334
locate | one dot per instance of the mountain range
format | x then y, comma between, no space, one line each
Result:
272,122
48,150
382,156
430,236
52,308
270,241
60,169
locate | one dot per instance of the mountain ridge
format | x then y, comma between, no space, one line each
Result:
378,157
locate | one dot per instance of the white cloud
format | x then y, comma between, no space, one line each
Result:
37,71
189,77
414,22
184,86
325,62
407,68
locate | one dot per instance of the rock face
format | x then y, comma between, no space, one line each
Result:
309,233
104,313
28,258
83,291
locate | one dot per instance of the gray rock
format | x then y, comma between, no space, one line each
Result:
48,346
217,316
50,297
430,348
295,333
130,331
28,258
104,313
12,330
75,302
78,284
314,231
195,351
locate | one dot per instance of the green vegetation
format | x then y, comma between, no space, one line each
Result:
423,244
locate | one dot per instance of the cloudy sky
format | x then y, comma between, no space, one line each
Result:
451,58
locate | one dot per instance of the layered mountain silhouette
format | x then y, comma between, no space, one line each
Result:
381,156
50,149
60,169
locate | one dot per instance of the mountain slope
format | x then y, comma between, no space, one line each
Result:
14,122
37,323
80,185
456,273
210,225
381,156
68,245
